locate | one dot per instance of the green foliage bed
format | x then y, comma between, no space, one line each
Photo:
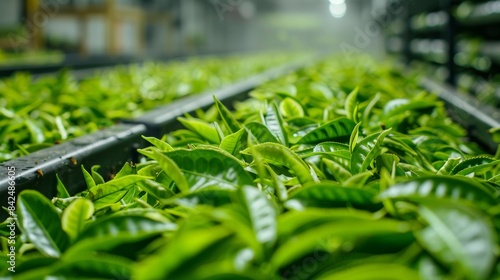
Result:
35,114
8,59
344,170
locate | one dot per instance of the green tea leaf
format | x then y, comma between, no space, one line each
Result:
460,237
75,215
388,271
36,132
390,163
289,108
331,195
235,142
156,189
448,166
353,141
61,128
226,116
104,266
127,169
307,240
62,203
430,268
398,106
475,164
441,187
262,214
131,195
86,266
88,178
202,129
125,227
172,170
209,167
274,123
281,155
62,192
366,151
338,170
330,147
369,108
161,145
96,176
41,223
111,234
184,246
221,133
261,132
112,191
337,129
293,222
213,196
359,180
351,103
281,191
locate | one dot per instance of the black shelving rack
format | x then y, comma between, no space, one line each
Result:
457,42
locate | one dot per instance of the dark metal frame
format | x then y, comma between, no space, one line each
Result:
476,117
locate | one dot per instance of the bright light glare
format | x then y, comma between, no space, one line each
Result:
337,2
338,10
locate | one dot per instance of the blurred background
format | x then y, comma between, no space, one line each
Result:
454,41
173,27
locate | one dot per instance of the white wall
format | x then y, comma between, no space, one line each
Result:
62,28
10,13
